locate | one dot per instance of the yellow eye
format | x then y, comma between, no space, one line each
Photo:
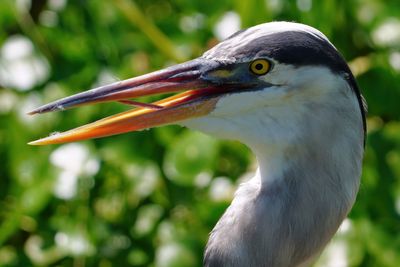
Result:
260,66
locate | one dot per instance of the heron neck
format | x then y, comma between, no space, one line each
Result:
314,165
288,212
304,193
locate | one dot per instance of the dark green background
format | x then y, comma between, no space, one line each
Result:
150,198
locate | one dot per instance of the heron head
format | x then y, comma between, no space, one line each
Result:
268,76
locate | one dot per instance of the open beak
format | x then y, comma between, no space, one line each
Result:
198,99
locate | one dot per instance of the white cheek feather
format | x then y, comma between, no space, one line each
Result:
255,117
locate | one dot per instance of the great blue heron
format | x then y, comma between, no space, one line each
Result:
283,90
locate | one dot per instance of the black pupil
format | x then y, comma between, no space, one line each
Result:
259,66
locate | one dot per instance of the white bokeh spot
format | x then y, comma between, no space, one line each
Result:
20,67
227,25
73,160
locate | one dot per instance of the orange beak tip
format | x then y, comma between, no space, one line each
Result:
32,143
49,140
38,142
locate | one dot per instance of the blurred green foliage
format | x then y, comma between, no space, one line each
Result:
151,198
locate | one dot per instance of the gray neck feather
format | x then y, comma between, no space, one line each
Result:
284,217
